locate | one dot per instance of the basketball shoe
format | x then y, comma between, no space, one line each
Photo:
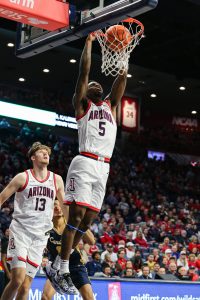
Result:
65,283
50,274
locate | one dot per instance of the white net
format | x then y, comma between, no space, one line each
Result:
117,42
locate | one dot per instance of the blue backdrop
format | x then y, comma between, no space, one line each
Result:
134,290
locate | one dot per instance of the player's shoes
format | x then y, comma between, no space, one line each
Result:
51,273
65,284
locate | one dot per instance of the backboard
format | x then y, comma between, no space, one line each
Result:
85,17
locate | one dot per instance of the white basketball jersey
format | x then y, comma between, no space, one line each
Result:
34,203
97,130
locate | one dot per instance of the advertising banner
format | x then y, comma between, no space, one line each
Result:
132,290
46,14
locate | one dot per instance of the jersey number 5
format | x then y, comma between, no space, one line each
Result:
40,204
102,128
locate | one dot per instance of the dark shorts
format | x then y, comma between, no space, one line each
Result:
79,276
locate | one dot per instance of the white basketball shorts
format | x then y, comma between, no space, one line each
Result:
86,182
25,250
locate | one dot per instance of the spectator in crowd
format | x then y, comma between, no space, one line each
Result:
161,271
166,245
164,262
182,260
137,263
107,261
106,272
139,240
128,273
109,250
117,270
121,258
83,252
172,268
150,262
193,274
156,255
182,273
175,252
130,251
94,266
5,265
145,273
192,260
193,243
155,270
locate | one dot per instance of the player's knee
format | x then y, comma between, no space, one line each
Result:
44,297
75,220
24,289
17,282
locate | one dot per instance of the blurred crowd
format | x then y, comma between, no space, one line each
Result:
161,137
39,98
149,225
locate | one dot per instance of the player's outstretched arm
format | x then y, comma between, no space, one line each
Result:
60,195
16,183
117,91
84,70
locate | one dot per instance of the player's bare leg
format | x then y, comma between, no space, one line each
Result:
86,292
89,216
17,278
79,221
23,291
48,291
76,215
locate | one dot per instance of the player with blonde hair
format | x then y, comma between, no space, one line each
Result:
35,191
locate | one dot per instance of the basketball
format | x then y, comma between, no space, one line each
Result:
117,37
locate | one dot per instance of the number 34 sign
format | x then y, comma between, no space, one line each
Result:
129,114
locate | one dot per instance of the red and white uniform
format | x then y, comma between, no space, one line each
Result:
88,172
32,219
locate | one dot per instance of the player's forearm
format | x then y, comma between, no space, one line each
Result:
85,62
3,199
118,89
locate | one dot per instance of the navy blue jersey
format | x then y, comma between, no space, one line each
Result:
54,248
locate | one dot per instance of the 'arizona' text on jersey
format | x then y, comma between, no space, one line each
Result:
33,204
97,129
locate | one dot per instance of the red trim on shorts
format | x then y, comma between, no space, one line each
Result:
81,116
26,182
21,259
66,202
54,180
31,263
9,258
47,177
96,157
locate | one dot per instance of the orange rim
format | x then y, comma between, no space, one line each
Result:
128,20
132,20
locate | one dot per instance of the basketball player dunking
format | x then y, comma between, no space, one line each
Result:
35,191
88,172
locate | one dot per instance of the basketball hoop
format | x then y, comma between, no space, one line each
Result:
116,52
